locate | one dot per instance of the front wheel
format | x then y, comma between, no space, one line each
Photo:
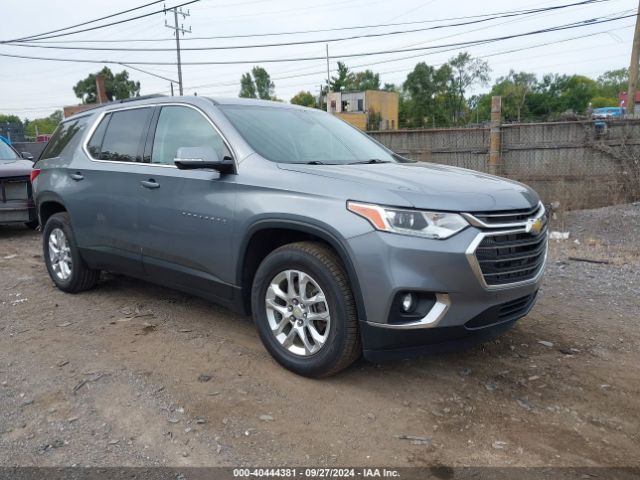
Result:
304,309
62,257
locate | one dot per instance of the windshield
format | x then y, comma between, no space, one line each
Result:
6,152
289,135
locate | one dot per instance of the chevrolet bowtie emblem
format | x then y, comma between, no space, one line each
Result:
534,226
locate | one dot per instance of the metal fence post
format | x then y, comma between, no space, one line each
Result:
495,163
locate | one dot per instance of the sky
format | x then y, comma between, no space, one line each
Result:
35,88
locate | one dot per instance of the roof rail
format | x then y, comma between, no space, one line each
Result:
143,97
124,100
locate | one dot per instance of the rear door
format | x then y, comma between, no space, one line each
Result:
108,190
186,220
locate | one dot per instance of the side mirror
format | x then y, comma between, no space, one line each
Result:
192,158
26,156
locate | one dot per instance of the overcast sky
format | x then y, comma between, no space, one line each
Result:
33,88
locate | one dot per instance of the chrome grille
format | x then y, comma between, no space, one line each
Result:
511,257
512,247
508,216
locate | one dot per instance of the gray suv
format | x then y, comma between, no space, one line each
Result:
335,245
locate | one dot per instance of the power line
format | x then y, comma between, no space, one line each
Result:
97,27
307,42
584,23
494,15
504,52
494,25
30,37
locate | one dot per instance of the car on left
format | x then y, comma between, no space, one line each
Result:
16,199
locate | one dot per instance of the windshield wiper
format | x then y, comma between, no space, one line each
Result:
371,161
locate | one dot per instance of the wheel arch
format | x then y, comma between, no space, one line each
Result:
254,249
49,204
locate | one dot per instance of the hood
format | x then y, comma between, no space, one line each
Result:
430,186
15,168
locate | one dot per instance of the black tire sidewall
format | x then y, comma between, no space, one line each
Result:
291,259
61,221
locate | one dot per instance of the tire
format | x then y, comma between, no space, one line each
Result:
77,277
328,295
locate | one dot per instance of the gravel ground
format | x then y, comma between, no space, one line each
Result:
130,374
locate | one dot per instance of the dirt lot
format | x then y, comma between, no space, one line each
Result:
133,374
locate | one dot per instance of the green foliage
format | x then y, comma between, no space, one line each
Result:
264,85
10,119
464,72
612,82
257,84
346,80
40,126
439,96
598,102
247,87
426,88
306,99
366,80
341,81
117,86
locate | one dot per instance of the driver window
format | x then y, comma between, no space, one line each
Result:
183,127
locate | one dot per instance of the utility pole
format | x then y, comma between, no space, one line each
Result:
328,77
177,30
495,141
633,68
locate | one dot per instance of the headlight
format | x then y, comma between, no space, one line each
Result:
419,223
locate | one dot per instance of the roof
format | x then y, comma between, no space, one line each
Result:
250,102
158,99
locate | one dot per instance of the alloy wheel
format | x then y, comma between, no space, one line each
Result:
60,254
298,312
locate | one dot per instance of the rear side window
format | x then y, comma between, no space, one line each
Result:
67,133
120,135
95,144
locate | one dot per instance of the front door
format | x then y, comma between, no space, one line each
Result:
186,220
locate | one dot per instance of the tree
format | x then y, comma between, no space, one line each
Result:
514,90
612,82
306,99
247,87
466,72
342,80
257,84
42,125
118,86
366,80
424,87
10,119
264,85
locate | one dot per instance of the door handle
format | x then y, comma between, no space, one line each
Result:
151,183
77,176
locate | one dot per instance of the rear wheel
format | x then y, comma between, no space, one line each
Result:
62,257
304,310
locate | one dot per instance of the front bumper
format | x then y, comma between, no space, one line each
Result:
466,311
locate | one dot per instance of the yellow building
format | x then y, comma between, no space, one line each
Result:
367,110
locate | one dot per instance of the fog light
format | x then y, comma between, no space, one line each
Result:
408,302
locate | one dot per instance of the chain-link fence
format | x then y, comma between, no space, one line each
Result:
576,164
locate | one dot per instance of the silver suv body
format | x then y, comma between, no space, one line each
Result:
334,244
